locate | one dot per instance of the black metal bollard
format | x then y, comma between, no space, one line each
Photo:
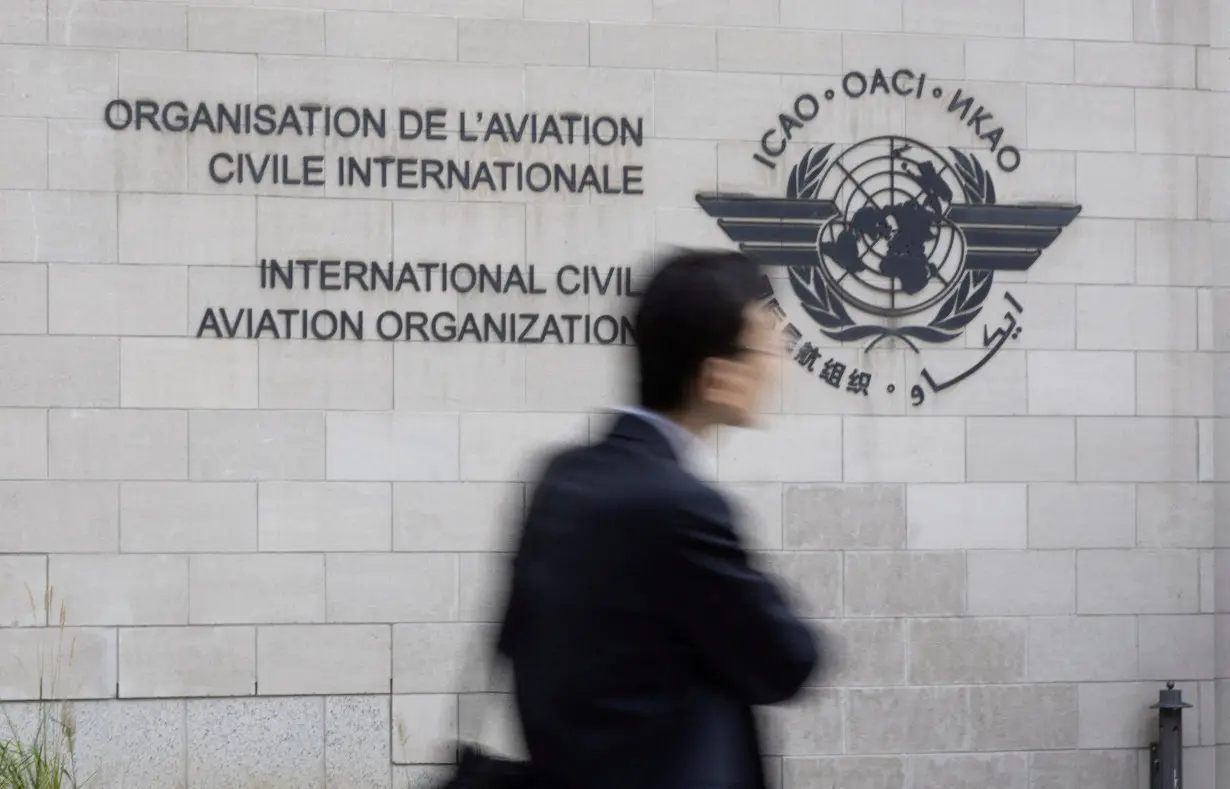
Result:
1166,755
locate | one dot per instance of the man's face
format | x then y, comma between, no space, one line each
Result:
733,389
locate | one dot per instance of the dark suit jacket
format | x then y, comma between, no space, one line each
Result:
639,636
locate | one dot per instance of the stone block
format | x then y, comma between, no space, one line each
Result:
24,22
23,293
131,744
1135,65
56,82
235,743
59,517
1076,648
813,580
1082,382
205,76
1023,717
119,25
448,516
91,157
23,591
733,12
1176,22
257,589
300,660
1007,770
121,590
357,747
966,651
1137,186
23,443
577,378
1137,318
1177,253
849,772
810,725
771,51
392,446
57,662
1145,449
1021,449
263,30
354,34
187,517
939,57
1015,59
969,17
839,15
257,446
1175,384
325,516
1177,647
172,662
955,517
73,372
844,517
392,587
907,720
326,376
509,42
1109,582
896,449
510,447
1082,769
590,10
484,581
784,449
1094,251
192,230
690,105
916,583
1108,20
460,377
1068,117
1082,516
115,444
24,165
119,300
653,46
424,729
443,657
1042,582
326,227
188,373
862,653
1176,516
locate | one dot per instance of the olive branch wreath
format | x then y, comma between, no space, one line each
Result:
826,307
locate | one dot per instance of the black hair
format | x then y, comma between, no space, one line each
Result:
694,308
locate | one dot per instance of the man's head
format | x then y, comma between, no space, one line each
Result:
706,349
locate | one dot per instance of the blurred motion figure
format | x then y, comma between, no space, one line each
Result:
639,635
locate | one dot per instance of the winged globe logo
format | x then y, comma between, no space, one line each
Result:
890,239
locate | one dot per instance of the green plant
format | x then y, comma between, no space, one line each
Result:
44,758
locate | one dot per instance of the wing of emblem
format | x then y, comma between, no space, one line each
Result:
1009,237
777,231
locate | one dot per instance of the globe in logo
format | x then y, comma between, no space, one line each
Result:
891,250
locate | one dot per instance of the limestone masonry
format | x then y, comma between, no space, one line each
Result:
293,291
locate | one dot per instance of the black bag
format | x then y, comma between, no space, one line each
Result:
477,769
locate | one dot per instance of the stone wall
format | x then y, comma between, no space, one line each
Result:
261,562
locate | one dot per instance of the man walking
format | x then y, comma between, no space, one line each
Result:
639,635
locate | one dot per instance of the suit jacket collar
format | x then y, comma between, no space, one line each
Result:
654,433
